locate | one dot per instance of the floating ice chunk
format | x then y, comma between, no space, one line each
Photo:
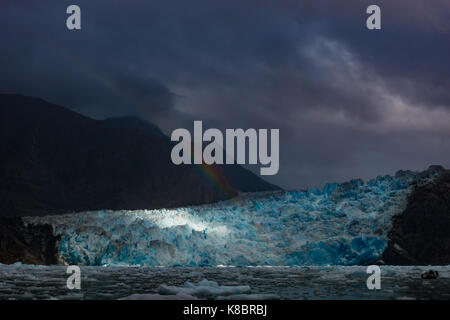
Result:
155,296
203,289
191,291
254,296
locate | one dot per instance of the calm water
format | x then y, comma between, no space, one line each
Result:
42,282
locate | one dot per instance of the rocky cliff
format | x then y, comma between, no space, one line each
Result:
420,235
34,244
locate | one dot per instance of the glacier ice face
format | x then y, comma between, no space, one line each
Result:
341,224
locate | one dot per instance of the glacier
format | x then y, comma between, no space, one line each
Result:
339,224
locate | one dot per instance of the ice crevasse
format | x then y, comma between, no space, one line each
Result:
340,224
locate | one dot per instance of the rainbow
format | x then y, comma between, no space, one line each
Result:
215,176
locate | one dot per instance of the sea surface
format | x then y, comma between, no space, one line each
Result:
115,282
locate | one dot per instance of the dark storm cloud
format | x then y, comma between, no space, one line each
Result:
349,102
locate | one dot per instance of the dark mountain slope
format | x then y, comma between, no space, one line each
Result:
129,122
237,177
53,160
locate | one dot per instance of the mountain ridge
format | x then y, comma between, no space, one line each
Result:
54,160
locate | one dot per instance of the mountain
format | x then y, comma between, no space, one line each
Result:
54,160
130,122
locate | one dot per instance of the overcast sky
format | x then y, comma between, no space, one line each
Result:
349,102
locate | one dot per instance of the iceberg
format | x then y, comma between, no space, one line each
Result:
204,289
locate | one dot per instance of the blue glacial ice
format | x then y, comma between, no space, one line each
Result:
340,224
